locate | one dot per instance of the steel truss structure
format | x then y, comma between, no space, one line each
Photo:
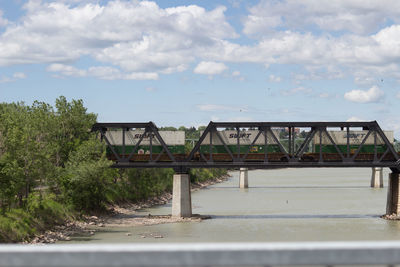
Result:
289,155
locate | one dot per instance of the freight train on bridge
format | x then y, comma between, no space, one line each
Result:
175,141
237,143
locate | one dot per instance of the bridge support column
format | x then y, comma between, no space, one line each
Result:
181,197
393,196
377,177
244,178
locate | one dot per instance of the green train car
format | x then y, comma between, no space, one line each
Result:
246,139
175,141
355,139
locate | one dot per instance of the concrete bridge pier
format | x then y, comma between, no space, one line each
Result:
393,196
244,178
377,177
181,197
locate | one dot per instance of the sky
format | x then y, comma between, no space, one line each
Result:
190,62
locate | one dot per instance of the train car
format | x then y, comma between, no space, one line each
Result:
355,139
246,139
175,141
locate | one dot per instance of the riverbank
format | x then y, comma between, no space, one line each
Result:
124,214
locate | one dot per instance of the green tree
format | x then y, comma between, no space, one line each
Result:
88,178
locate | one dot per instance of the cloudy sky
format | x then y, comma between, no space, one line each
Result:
189,62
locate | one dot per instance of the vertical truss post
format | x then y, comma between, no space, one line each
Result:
320,145
290,141
151,147
375,147
348,142
123,143
265,145
238,144
293,141
211,146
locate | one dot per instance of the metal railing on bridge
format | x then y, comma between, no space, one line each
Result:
203,254
214,150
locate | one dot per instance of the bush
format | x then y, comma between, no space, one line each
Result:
47,211
88,178
16,225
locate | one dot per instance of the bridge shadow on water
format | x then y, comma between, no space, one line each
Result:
297,187
297,216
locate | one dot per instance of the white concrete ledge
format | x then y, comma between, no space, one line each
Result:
203,254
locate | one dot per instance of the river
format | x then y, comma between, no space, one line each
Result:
318,204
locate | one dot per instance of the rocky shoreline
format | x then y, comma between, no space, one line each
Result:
120,215
391,217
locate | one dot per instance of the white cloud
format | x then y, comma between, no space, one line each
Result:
238,76
143,40
210,68
141,76
236,73
398,95
240,119
19,75
273,78
3,21
15,77
101,72
136,36
296,90
214,118
374,94
341,15
354,119
391,123
323,56
212,107
324,95
66,70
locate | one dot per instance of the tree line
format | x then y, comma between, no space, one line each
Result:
52,167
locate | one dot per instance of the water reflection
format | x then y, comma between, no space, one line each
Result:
297,216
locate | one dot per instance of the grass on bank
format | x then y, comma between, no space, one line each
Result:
44,211
21,224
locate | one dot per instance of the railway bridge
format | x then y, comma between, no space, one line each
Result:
255,145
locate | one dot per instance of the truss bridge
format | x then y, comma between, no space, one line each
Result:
256,145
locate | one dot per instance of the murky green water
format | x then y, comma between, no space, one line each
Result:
280,205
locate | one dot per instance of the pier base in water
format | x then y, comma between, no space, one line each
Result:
244,178
377,177
393,200
181,198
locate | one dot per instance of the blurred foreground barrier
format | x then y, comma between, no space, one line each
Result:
203,254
